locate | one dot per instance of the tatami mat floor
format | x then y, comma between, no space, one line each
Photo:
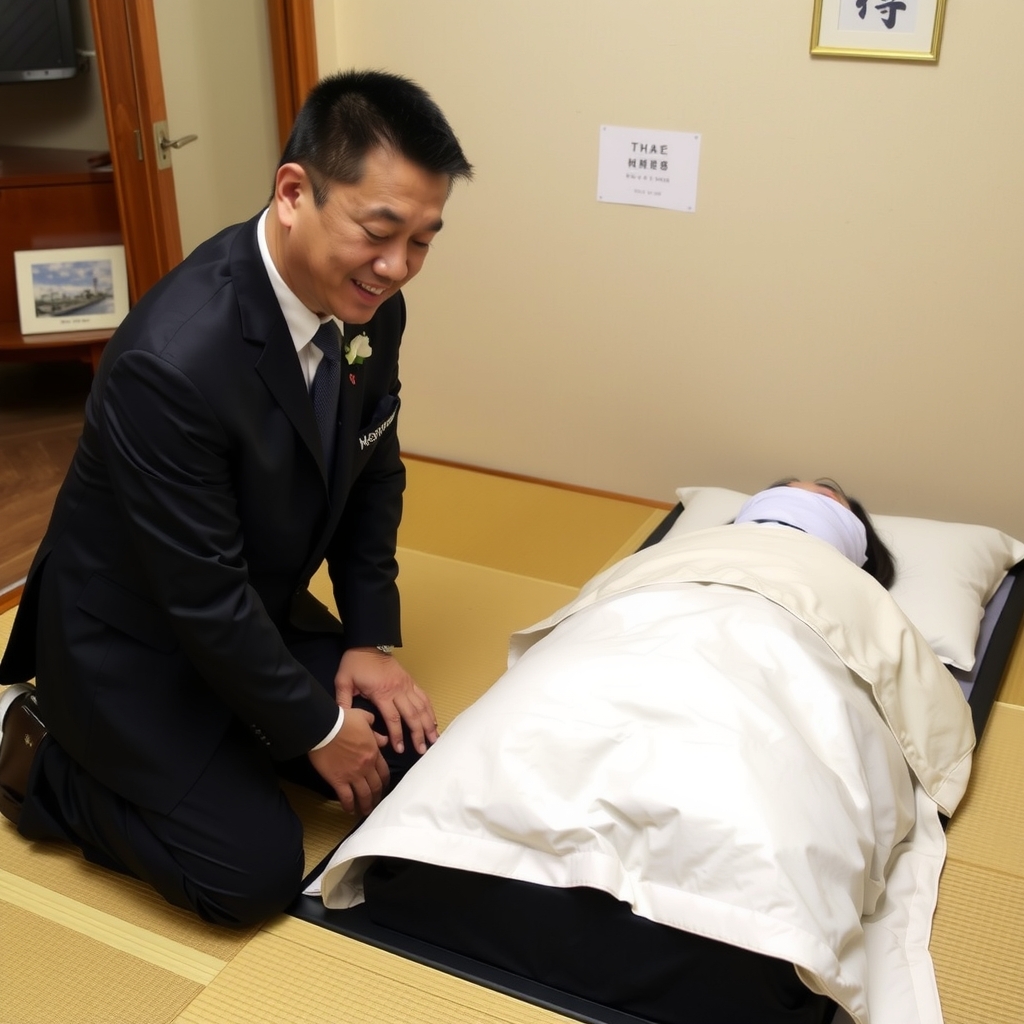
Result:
481,556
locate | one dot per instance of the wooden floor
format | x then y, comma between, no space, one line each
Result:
41,411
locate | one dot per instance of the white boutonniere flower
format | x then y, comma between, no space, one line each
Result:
357,350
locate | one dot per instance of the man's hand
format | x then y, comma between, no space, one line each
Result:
352,763
381,679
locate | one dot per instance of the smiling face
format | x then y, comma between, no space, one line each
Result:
349,255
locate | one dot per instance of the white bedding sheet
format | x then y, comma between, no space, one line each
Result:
709,757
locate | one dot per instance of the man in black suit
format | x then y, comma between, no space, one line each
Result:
235,437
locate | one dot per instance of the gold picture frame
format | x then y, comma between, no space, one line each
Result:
878,29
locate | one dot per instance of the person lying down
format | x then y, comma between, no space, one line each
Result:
707,790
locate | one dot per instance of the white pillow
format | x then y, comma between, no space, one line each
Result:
945,572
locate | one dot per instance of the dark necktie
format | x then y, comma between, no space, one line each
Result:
324,392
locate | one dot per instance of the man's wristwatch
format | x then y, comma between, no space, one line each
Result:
386,648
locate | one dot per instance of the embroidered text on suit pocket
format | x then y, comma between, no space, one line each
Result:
383,417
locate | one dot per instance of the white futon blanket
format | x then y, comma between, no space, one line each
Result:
738,733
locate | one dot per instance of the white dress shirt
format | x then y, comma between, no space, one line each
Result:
303,323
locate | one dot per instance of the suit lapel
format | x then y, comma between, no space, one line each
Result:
264,326
279,369
350,404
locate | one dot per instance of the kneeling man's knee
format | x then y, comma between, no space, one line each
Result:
259,882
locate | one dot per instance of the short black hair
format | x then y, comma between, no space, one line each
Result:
347,115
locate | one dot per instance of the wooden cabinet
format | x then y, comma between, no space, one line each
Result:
51,199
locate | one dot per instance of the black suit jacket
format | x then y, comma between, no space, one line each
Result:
195,511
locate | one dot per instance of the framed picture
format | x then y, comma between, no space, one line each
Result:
878,29
71,289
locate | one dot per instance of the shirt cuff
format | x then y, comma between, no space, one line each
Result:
334,732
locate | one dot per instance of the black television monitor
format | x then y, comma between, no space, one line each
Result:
36,40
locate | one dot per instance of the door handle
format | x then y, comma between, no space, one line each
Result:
164,145
177,143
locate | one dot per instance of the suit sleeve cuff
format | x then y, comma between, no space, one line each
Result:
334,732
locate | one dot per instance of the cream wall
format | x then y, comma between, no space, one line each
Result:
846,299
218,84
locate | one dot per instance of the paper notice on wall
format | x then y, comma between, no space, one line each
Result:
645,167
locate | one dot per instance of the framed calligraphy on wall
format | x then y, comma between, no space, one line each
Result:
878,29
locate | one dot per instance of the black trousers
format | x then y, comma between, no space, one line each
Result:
589,944
231,850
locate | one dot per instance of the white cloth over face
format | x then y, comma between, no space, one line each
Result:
816,514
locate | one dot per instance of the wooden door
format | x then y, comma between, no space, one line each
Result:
293,48
133,100
133,96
